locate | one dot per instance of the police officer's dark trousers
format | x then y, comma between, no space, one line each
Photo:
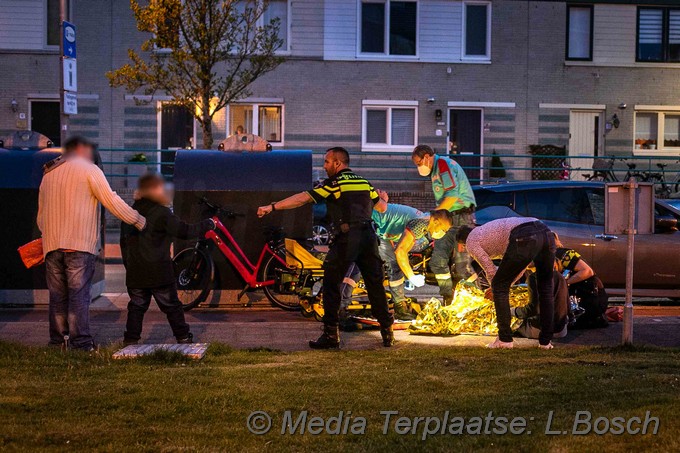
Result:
359,245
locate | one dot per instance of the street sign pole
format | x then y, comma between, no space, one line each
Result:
63,123
627,337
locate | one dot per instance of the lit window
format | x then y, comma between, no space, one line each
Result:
657,132
579,32
268,123
671,131
389,127
646,130
477,30
391,20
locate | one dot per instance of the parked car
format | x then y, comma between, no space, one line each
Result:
575,210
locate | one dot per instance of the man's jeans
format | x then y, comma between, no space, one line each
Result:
528,242
69,279
394,273
444,249
168,302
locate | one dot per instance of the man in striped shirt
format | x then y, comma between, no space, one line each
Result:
517,242
69,219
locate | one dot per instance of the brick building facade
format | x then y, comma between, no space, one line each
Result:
466,76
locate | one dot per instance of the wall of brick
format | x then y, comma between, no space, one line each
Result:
323,99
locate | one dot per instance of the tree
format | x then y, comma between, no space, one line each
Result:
497,170
203,53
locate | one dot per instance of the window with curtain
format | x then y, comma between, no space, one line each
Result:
391,20
658,35
403,127
657,132
376,126
269,121
579,32
650,35
671,131
389,127
263,120
240,117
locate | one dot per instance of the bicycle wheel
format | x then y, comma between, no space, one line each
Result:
194,272
283,277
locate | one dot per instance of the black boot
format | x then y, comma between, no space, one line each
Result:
402,313
387,336
329,339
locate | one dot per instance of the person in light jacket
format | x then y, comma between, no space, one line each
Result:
69,218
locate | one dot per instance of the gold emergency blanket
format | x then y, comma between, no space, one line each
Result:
469,313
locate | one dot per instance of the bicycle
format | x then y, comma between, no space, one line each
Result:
604,171
277,271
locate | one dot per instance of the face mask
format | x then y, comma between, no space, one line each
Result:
423,170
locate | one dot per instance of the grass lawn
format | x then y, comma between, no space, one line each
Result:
55,401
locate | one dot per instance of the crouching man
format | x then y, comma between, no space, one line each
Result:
516,241
530,313
148,265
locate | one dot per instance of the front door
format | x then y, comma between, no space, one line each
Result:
465,141
177,132
585,139
45,119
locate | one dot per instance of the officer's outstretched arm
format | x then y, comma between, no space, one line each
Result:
405,245
292,202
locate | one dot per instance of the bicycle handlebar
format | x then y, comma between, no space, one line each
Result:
219,209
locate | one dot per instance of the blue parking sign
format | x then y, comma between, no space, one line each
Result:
69,39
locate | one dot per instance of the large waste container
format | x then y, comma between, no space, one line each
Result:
20,176
242,182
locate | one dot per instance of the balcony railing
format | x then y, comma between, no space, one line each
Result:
395,169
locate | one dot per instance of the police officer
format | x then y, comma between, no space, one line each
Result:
453,193
350,199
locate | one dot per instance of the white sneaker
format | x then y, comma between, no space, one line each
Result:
545,346
498,344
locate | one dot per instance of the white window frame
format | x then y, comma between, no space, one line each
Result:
256,119
661,111
287,49
489,8
387,105
386,55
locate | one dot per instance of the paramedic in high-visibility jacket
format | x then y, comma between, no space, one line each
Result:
453,193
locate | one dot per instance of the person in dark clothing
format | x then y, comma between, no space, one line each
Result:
583,285
147,260
350,199
530,313
516,241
